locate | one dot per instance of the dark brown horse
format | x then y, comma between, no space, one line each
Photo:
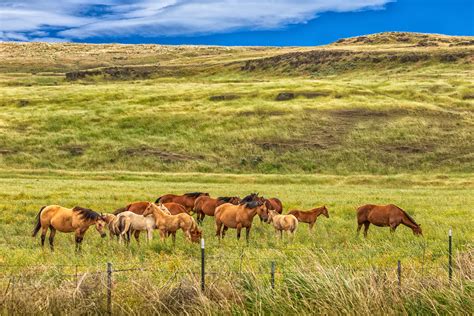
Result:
206,205
187,200
310,216
140,207
383,216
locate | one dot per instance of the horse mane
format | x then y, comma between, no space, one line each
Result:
409,217
249,198
195,194
252,204
86,213
225,199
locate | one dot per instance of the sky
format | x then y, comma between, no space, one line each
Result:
227,22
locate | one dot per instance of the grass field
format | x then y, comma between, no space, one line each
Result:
332,260
386,118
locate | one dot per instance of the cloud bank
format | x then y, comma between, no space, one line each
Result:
69,20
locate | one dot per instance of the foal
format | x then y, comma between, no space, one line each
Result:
131,222
310,216
287,223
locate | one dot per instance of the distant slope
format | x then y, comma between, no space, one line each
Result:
386,106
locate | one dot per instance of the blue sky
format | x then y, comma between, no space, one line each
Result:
227,22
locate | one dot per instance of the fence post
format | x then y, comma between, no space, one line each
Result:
450,258
203,284
272,275
109,288
399,273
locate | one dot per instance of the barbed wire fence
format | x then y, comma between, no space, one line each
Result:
207,269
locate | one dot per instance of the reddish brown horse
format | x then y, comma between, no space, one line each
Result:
383,216
310,216
187,200
274,204
140,207
206,205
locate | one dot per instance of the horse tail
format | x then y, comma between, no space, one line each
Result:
38,223
295,225
120,210
124,225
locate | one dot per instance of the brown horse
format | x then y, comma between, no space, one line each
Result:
187,200
274,204
170,224
310,216
239,216
383,216
140,207
206,205
66,220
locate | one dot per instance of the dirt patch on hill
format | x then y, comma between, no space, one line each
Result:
158,153
224,97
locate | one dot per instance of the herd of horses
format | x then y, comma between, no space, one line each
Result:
171,213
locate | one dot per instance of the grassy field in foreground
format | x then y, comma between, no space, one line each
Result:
329,271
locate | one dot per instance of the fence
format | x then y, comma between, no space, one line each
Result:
209,268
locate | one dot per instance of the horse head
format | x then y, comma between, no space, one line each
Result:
100,224
417,230
271,215
325,211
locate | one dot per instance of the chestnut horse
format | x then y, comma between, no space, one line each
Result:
239,216
310,216
140,207
383,216
66,220
274,204
206,205
169,224
187,200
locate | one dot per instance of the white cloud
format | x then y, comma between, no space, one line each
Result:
79,19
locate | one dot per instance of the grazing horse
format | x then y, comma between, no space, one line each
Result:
168,224
140,207
66,220
239,216
112,223
383,216
134,223
206,205
287,223
187,200
310,216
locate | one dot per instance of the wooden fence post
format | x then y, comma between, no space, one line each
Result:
109,288
450,258
272,275
203,271
399,273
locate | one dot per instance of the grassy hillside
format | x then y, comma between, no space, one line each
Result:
371,105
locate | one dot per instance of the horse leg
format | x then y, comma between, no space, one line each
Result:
149,234
79,238
218,229
281,234
247,233
173,237
44,230
224,231
51,237
366,228
359,226
239,229
311,226
162,235
136,234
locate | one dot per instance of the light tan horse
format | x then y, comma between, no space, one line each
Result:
169,224
239,216
134,223
58,218
112,224
288,223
